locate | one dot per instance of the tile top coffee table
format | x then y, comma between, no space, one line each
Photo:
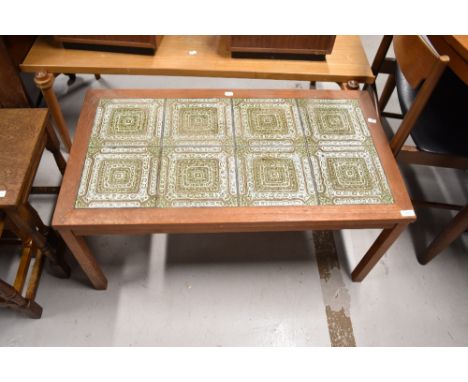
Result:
147,161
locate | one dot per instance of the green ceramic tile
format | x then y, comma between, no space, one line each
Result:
349,174
198,122
276,175
346,167
194,153
333,120
198,177
119,178
267,122
128,123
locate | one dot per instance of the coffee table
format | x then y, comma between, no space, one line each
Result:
151,161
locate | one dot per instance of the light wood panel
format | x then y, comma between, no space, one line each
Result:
175,56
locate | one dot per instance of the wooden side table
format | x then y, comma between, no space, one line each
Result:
24,134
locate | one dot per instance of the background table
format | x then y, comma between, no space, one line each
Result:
205,56
456,47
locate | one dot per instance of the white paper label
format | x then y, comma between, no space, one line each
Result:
407,213
2,193
228,94
192,52
371,120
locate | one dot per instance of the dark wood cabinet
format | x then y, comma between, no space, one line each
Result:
299,47
121,43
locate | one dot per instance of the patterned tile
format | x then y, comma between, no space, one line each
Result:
128,122
346,167
276,175
267,122
333,120
118,178
223,152
198,122
345,176
198,177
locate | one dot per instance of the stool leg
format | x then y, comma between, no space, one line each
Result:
53,145
29,223
11,298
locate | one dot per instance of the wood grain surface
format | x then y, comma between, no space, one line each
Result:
207,56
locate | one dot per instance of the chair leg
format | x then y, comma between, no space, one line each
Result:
456,227
387,91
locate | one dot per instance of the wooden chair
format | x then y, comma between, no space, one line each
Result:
24,134
433,101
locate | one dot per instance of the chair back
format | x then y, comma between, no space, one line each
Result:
415,57
422,66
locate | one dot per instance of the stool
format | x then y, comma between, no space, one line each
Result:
24,134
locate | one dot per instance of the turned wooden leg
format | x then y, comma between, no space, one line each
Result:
44,81
456,227
387,91
30,225
53,145
85,258
350,85
11,298
376,251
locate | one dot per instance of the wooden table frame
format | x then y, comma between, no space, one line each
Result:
73,224
204,56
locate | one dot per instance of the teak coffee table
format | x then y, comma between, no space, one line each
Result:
149,161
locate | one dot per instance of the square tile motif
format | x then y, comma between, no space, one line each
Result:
333,120
198,177
198,122
128,122
267,122
165,153
275,176
350,177
119,178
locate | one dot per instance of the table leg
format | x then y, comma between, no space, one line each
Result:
44,81
85,258
350,85
376,251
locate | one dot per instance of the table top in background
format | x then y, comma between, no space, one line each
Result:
175,56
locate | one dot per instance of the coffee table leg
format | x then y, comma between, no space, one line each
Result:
376,251
85,258
44,81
